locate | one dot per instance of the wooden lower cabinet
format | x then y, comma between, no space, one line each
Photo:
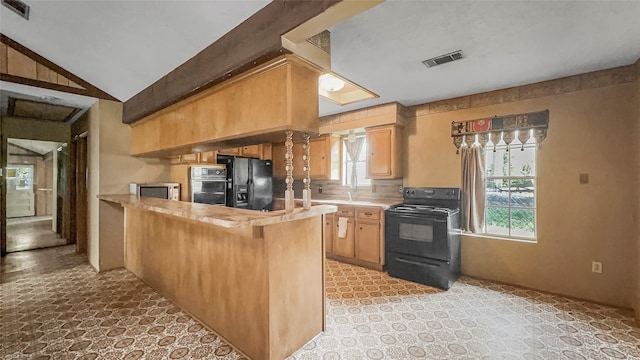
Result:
364,243
367,245
344,246
328,233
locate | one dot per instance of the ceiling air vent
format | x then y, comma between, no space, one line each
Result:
443,59
17,7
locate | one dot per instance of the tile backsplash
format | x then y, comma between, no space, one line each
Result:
334,190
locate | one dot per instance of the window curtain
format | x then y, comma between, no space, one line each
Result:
353,151
473,190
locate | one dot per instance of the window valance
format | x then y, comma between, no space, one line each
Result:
501,127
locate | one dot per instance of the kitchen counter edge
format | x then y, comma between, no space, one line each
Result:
383,204
222,216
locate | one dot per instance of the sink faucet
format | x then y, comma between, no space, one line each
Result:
350,197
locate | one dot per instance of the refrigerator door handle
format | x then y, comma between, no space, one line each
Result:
250,200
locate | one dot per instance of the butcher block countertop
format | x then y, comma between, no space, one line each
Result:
217,215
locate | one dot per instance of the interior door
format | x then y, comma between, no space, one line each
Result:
20,196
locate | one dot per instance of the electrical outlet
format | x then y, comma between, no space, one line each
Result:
400,189
596,267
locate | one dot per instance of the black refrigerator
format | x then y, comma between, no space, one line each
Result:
249,182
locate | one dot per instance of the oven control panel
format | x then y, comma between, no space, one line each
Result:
431,193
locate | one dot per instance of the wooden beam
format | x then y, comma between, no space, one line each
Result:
252,43
65,86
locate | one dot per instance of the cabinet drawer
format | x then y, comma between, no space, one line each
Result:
345,211
372,214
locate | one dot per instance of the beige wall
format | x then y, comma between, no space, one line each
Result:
637,307
111,169
591,131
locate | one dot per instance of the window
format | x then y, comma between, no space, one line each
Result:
20,176
510,208
361,165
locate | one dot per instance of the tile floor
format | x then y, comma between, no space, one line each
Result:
54,306
31,233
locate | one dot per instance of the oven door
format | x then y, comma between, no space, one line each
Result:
417,235
211,192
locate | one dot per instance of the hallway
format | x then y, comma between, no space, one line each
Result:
30,233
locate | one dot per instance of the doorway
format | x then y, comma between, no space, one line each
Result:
33,183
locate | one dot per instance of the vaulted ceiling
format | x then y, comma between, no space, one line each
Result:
124,46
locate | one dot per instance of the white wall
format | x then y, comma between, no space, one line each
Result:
111,169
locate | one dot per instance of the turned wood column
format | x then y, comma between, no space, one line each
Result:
289,203
306,192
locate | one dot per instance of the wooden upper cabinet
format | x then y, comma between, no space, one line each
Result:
325,154
288,88
384,160
209,157
252,151
261,151
230,151
278,151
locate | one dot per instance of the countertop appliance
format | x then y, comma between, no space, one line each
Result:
249,182
422,236
169,191
208,184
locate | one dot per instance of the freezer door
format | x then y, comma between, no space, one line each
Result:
260,184
241,182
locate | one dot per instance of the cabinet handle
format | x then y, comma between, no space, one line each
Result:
361,228
368,214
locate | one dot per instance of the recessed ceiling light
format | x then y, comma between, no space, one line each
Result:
341,91
330,83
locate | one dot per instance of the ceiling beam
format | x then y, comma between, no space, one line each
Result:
253,42
53,77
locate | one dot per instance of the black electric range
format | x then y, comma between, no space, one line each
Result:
422,236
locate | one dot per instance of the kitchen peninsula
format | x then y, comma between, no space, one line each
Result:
255,278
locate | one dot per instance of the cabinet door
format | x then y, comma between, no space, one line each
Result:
279,163
266,152
344,246
189,158
328,233
277,152
367,245
319,155
208,157
379,152
251,151
298,173
231,151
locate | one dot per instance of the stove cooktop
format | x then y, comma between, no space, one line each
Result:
423,209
